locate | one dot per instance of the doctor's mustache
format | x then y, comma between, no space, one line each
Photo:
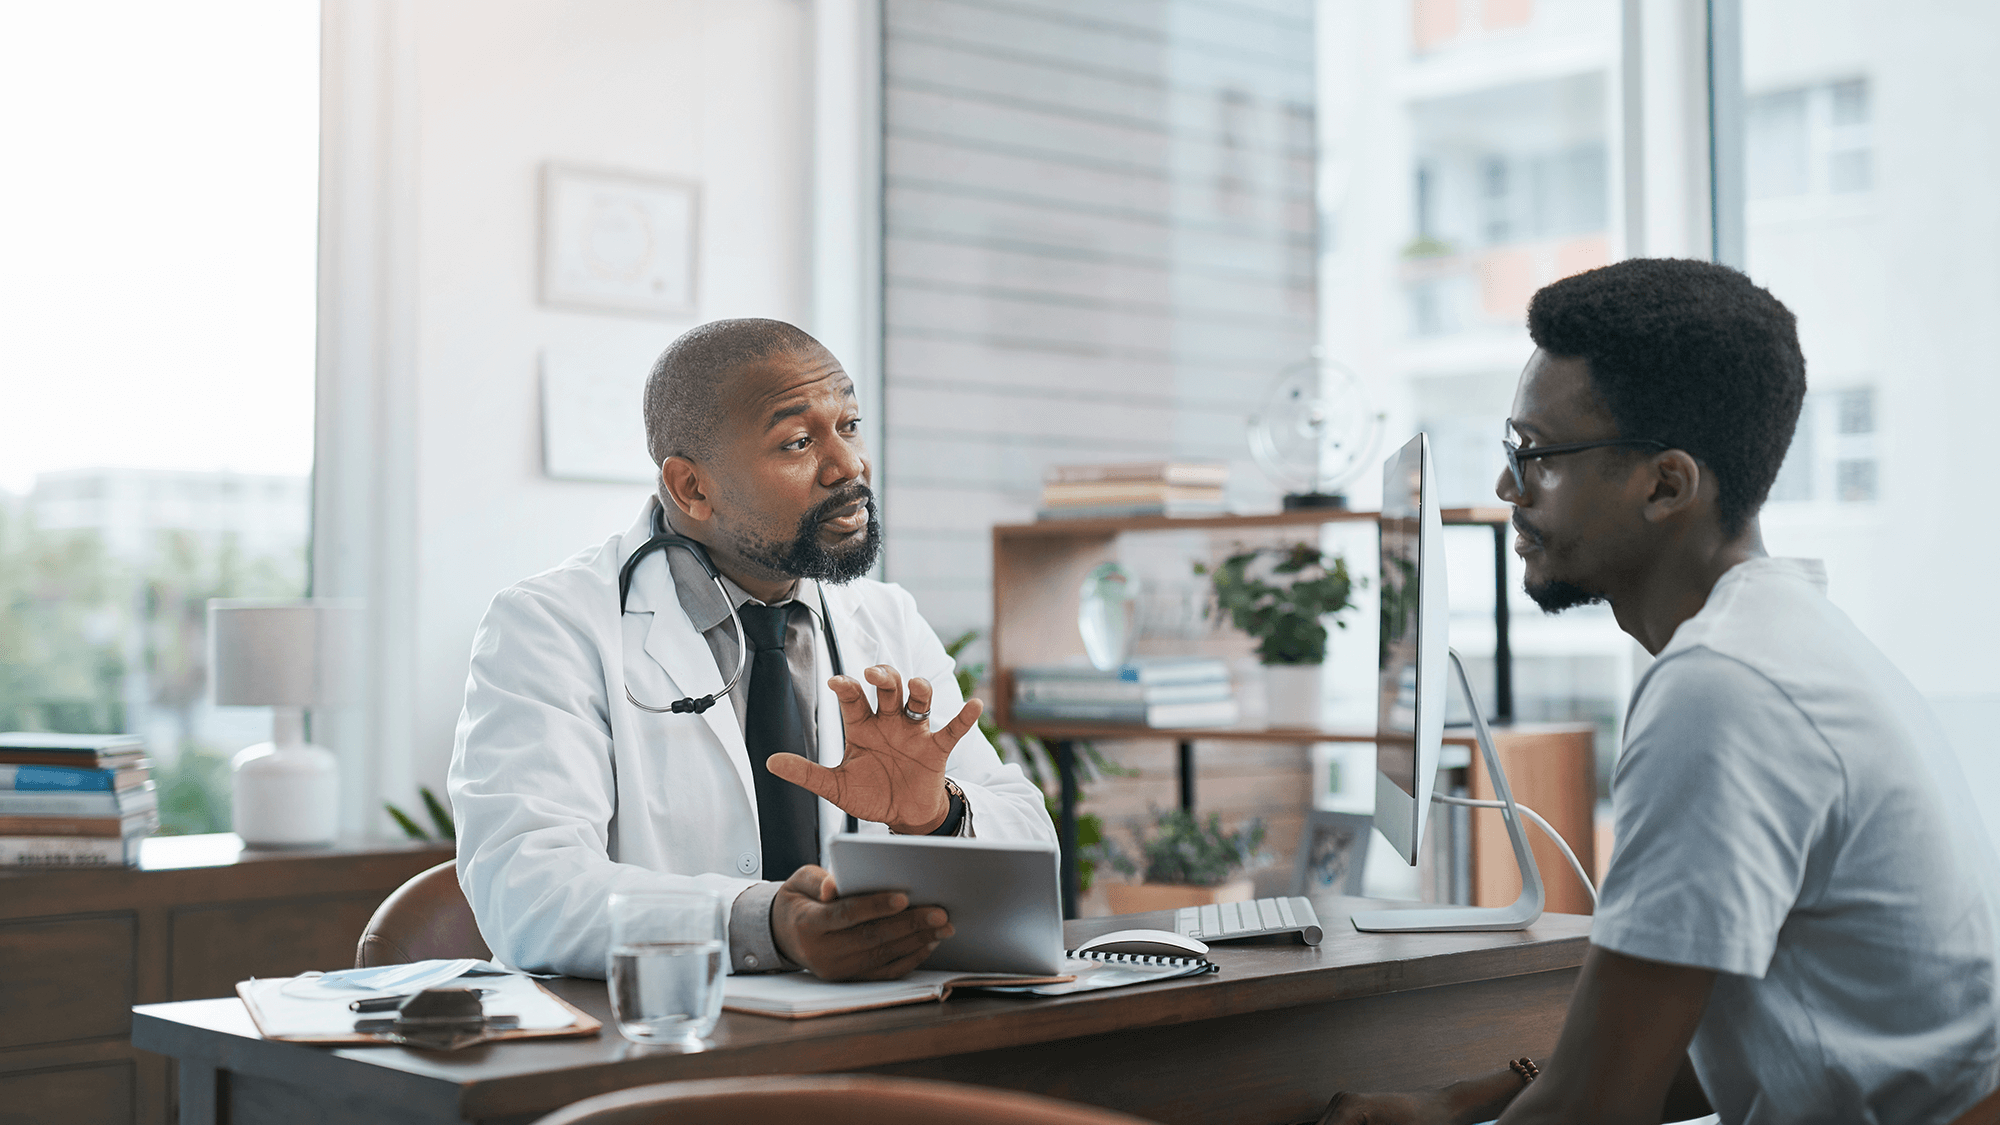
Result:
832,505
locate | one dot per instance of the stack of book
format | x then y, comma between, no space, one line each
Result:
1149,488
1157,692
74,800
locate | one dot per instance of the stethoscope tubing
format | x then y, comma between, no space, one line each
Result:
661,540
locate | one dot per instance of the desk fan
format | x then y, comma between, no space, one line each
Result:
1314,433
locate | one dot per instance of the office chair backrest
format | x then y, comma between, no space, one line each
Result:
827,1099
424,918
1987,1112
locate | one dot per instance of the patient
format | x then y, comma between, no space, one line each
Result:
1797,923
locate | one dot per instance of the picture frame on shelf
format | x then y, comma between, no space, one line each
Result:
1333,851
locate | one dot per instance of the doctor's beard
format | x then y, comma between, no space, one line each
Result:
806,557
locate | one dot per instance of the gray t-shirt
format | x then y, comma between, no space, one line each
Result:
1789,814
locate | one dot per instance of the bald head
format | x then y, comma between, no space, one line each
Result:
685,392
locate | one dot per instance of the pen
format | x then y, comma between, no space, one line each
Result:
391,1003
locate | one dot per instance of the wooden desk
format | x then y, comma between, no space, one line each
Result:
80,946
1268,1039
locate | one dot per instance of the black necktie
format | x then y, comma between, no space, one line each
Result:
787,816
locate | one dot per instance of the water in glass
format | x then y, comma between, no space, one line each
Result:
666,991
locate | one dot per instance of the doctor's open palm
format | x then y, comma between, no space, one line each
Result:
893,769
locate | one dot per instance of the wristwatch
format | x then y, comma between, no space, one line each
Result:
954,817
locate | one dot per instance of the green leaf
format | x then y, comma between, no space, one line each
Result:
410,827
440,816
1288,621
1185,850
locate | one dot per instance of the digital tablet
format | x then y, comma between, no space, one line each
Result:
1004,899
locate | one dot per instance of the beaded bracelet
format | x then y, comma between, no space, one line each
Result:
1526,1068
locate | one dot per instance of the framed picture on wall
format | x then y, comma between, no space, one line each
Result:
618,241
1333,848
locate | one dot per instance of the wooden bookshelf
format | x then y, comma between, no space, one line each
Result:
1038,569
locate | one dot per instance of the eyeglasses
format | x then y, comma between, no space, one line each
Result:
1516,455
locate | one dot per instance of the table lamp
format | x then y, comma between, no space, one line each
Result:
282,655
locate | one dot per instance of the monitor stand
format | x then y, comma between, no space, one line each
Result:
1524,910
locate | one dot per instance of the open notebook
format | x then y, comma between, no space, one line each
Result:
798,996
802,995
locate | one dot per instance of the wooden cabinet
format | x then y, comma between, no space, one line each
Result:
1552,769
79,947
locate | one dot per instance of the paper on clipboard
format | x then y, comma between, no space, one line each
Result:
281,1011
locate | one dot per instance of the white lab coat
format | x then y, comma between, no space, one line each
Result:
564,792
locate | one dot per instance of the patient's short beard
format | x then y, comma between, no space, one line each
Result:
1555,595
806,557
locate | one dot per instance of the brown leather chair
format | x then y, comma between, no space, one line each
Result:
424,918
827,1099
1987,1112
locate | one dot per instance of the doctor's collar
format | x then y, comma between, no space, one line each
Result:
703,602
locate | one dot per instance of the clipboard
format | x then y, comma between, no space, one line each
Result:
293,1020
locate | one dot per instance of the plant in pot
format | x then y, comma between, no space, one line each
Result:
1283,597
1183,861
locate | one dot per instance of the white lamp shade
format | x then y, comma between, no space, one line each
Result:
279,653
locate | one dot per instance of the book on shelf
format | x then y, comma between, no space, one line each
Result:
68,779
1178,510
1126,492
138,824
116,803
69,851
76,751
1060,691
1140,670
1213,474
1166,716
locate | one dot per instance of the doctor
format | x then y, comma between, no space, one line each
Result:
574,777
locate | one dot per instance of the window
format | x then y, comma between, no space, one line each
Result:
1881,260
1833,455
1471,159
158,429
1810,141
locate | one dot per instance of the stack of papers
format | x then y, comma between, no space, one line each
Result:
315,1008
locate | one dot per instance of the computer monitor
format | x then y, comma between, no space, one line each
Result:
1410,704
1409,727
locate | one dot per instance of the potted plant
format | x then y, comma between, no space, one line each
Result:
1184,861
1284,604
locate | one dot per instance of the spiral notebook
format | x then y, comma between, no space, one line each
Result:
1093,970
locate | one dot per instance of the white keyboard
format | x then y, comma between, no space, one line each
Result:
1229,921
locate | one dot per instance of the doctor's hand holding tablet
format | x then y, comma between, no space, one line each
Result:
893,774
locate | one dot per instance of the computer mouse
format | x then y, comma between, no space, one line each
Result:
1145,943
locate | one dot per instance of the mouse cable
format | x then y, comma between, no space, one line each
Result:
1547,830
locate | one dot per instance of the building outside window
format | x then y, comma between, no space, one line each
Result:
1474,150
157,369
1868,210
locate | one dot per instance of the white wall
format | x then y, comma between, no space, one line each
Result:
439,115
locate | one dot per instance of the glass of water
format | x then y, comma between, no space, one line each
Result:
666,965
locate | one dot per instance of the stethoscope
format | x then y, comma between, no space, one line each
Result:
663,538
